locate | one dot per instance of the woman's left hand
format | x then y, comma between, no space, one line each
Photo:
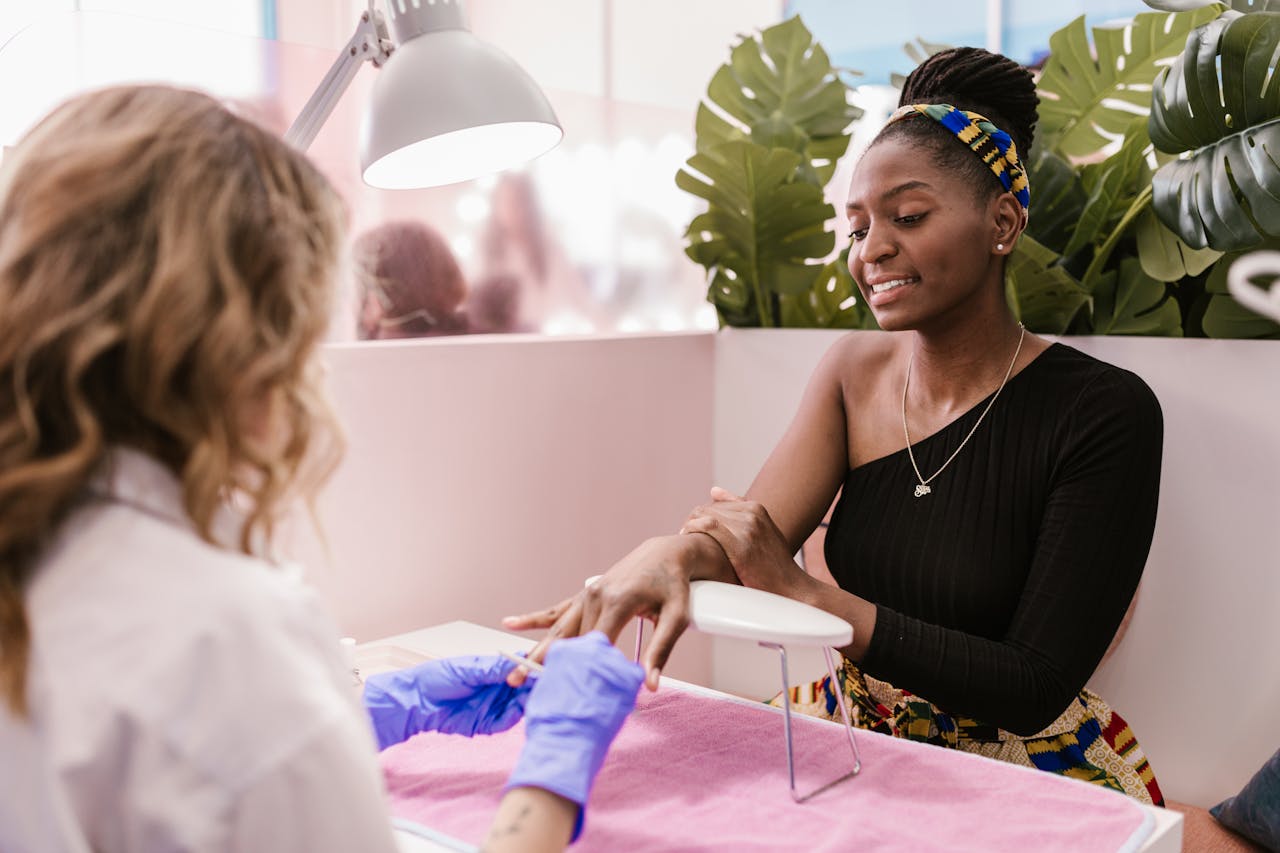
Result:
752,542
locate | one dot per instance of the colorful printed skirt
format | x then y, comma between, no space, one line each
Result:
1089,741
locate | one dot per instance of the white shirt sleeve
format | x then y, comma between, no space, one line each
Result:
184,698
325,796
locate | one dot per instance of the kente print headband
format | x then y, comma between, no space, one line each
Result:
992,145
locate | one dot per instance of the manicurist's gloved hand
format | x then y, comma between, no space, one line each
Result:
462,695
577,705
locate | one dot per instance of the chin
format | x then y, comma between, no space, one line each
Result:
893,321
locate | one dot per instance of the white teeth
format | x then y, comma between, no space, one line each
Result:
890,285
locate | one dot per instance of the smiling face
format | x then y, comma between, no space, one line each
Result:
924,239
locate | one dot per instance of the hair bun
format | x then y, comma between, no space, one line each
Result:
977,80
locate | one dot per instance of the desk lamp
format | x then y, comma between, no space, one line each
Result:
447,107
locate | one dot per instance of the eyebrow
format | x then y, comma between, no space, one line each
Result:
898,190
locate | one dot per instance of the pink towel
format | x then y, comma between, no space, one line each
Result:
690,773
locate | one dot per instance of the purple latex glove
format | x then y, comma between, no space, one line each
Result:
575,709
461,695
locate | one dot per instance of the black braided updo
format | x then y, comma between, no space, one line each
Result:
973,79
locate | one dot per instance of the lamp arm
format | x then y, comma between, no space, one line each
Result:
369,43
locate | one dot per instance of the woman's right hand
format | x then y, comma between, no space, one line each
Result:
651,582
574,711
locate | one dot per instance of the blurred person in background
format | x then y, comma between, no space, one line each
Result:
409,283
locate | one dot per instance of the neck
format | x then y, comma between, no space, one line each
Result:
954,366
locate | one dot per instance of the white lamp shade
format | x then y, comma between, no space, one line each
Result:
447,107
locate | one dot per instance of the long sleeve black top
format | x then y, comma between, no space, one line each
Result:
997,594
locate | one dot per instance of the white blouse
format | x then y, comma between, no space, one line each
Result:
181,696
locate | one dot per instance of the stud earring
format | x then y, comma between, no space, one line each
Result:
999,247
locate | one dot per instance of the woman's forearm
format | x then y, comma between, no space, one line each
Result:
858,612
703,558
531,820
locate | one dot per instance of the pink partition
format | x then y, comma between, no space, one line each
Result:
489,475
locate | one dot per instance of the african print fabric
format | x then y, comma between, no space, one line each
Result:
1089,741
993,146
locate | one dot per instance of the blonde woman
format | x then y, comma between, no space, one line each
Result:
165,278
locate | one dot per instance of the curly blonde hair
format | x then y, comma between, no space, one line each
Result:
166,274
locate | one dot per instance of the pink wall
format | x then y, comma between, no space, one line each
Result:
490,475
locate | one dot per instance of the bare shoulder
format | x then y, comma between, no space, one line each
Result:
858,360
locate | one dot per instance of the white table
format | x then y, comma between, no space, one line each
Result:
467,638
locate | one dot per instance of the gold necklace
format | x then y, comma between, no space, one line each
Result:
923,488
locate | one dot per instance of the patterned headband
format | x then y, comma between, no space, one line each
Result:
992,145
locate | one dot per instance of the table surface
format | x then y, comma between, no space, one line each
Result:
467,638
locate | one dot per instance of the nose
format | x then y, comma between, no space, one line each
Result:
875,246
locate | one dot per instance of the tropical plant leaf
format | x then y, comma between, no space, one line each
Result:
1163,255
1235,5
1227,195
917,51
780,90
1111,188
1085,101
735,302
761,228
1221,84
833,303
1221,100
920,49
1227,318
1059,201
1043,295
1127,301
1177,5
1216,281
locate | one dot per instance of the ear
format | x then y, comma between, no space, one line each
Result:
1008,221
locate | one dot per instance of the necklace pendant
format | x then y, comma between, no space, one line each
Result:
922,490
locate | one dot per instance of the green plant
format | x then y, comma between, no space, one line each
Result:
1138,212
774,124
1157,162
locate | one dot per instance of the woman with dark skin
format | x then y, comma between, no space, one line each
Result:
992,527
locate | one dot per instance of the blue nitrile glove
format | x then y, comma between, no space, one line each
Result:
461,695
577,706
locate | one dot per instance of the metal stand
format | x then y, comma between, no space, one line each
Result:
786,716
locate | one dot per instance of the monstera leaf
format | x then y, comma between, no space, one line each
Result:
1060,199
1127,301
1043,295
1221,100
1235,5
780,90
1111,188
1225,317
917,51
1163,255
1119,193
1086,99
833,303
762,226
